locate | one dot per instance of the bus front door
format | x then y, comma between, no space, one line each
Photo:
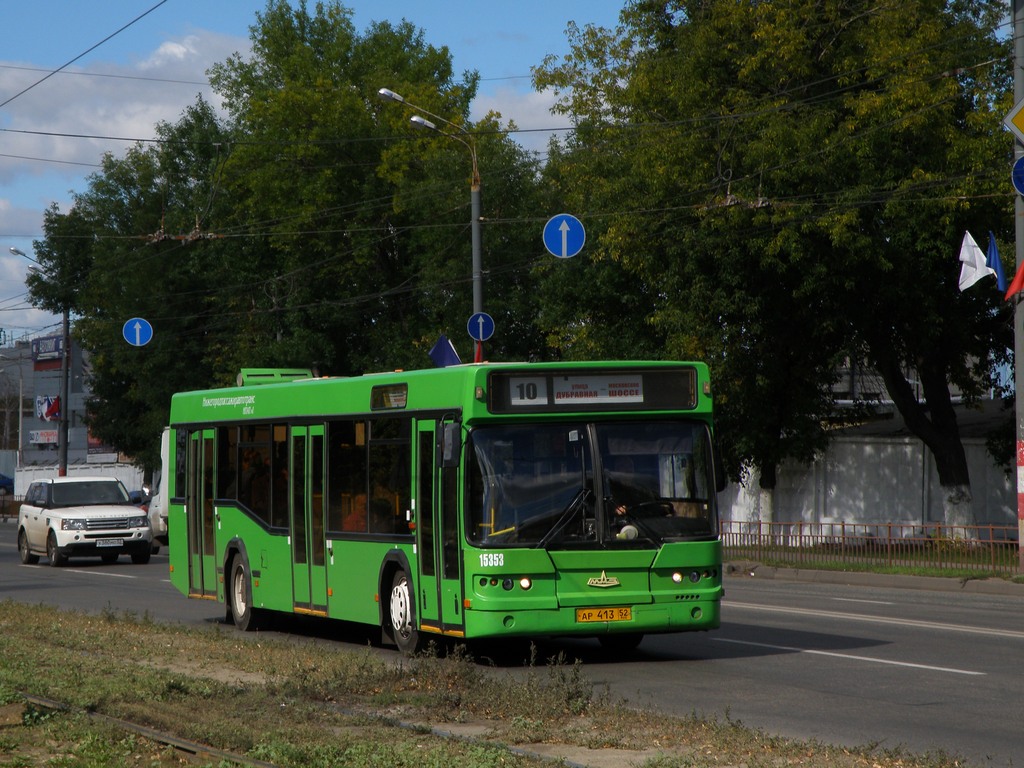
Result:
306,478
425,495
440,556
202,551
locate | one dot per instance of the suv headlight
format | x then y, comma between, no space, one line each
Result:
72,524
138,522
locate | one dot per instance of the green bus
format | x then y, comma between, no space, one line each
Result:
490,500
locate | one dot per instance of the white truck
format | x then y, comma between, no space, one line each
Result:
158,499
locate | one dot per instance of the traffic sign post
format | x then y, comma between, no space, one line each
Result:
480,326
564,236
1014,119
1017,175
137,332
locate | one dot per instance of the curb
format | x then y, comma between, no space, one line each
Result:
988,586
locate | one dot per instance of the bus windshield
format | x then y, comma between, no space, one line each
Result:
637,483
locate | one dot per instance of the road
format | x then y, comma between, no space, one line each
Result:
876,663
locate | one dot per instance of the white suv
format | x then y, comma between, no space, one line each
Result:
81,516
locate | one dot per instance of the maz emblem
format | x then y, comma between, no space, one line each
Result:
603,581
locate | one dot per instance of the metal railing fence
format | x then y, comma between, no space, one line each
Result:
972,550
9,505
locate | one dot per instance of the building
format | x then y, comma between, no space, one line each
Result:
30,374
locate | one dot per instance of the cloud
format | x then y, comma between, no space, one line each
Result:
529,110
56,133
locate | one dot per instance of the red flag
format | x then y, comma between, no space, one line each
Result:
1017,285
52,411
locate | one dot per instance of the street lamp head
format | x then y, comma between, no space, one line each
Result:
16,252
422,122
388,95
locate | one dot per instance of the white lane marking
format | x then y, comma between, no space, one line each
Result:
856,600
99,573
1011,633
854,657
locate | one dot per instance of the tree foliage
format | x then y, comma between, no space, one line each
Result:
310,227
775,188
790,182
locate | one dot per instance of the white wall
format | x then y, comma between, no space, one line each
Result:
875,480
128,474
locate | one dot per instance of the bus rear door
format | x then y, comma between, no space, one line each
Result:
202,561
306,475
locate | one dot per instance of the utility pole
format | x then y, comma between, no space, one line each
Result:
1018,308
65,400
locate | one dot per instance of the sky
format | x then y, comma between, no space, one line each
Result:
135,63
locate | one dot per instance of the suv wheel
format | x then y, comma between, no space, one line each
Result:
26,554
56,558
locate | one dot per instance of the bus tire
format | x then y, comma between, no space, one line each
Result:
402,614
27,557
626,643
239,596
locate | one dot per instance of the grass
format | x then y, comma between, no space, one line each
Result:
943,559
304,702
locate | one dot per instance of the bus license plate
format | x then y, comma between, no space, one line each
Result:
585,615
109,542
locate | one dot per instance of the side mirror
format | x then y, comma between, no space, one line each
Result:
451,447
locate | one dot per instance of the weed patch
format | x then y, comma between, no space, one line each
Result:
315,704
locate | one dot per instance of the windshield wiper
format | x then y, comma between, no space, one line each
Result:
575,503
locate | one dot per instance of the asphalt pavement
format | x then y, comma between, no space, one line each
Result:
986,586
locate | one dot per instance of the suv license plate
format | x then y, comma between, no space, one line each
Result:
109,542
586,615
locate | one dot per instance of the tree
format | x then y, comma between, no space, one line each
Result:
310,228
140,252
798,179
362,226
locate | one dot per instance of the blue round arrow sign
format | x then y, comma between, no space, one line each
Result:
1017,175
564,236
137,332
480,326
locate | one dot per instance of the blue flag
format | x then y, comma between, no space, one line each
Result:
443,353
992,262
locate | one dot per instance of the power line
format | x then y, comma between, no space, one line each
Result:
108,75
88,51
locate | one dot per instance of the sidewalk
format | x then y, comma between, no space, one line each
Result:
986,586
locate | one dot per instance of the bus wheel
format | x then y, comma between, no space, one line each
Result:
403,630
621,643
245,617
26,554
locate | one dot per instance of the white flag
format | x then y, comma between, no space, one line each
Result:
972,263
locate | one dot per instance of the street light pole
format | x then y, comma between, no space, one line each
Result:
466,139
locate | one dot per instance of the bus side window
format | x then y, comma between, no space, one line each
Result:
346,476
390,454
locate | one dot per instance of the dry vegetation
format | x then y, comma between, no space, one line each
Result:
313,703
